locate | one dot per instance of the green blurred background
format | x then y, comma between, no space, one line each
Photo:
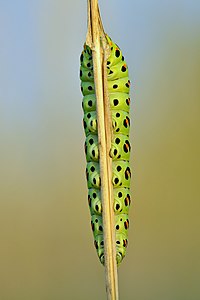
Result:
46,244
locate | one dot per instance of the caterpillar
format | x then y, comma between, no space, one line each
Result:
118,88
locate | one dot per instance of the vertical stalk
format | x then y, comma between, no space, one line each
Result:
97,42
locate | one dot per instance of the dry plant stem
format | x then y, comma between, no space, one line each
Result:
96,40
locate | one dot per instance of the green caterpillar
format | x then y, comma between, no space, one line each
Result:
118,87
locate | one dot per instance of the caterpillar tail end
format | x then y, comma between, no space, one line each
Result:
119,258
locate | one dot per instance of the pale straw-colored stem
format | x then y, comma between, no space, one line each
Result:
99,45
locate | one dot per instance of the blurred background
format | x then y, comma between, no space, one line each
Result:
46,244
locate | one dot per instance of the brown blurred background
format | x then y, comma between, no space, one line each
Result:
46,244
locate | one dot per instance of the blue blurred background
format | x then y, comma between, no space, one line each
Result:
46,244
